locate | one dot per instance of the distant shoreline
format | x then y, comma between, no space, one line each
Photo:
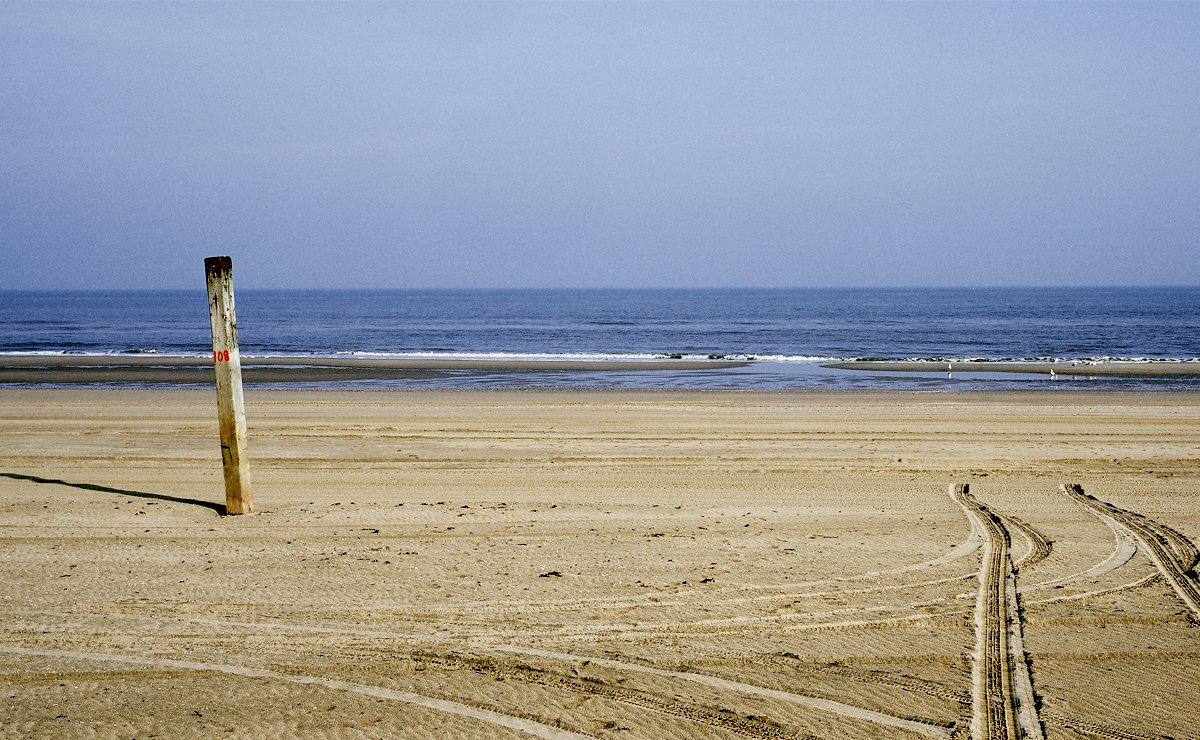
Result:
1141,369
157,369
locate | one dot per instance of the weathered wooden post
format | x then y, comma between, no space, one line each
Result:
231,409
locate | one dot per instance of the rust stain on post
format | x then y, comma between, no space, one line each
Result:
231,409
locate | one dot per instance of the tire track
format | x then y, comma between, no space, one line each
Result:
1099,592
1125,549
1099,731
1002,699
932,688
846,710
795,662
724,719
1172,553
735,625
522,724
715,717
973,542
922,686
1039,546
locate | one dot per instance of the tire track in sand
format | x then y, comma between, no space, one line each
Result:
933,688
1039,546
973,542
1124,549
713,716
1002,699
813,702
529,726
1173,554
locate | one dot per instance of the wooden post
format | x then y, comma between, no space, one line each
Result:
231,409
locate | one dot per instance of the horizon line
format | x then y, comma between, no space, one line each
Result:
497,289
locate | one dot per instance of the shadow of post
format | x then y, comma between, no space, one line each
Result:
219,508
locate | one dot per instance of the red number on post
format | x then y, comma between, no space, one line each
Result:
220,355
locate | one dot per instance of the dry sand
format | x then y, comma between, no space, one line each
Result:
591,564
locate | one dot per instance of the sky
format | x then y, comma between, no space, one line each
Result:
578,145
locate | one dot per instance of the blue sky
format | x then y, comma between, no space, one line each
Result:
600,144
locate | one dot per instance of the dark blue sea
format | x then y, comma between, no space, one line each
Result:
788,333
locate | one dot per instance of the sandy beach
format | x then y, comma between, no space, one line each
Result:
632,564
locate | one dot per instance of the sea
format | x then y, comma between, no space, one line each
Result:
788,335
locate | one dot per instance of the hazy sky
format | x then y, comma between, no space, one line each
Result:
600,144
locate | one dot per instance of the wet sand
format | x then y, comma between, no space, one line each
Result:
634,564
1134,369
161,369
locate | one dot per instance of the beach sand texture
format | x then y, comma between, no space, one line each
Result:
632,564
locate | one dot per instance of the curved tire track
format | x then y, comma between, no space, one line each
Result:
1002,700
1123,551
528,726
929,688
717,717
835,707
1039,546
932,688
1172,553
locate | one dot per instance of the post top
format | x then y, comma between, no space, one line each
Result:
218,263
